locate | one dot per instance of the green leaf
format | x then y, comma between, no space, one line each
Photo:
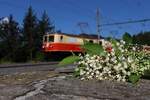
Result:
134,78
93,49
77,70
76,73
114,42
114,45
127,38
69,60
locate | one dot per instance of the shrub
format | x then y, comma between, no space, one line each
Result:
39,56
125,62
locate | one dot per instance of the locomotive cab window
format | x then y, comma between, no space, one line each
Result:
91,41
51,39
61,38
45,38
100,42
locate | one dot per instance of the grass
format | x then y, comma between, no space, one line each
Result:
3,61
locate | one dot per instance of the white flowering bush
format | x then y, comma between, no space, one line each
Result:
123,63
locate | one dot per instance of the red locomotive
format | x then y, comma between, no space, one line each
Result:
61,42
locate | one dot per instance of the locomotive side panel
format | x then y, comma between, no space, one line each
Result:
63,43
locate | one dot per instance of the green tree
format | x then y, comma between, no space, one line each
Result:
127,38
142,38
9,36
30,31
45,26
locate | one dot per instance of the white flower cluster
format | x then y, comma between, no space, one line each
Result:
116,65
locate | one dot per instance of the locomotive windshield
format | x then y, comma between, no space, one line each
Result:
51,39
48,39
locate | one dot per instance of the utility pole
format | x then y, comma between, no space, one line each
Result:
98,24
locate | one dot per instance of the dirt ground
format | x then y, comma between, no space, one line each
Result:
26,78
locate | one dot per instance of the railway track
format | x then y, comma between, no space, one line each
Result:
27,67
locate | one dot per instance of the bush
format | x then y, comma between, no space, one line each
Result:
124,62
39,56
5,61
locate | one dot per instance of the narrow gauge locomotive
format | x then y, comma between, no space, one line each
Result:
61,42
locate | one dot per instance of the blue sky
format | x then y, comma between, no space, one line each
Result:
66,14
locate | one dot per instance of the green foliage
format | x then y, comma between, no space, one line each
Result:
45,24
115,46
142,38
93,49
114,42
39,56
20,44
127,38
77,70
5,61
125,62
134,78
146,74
9,39
69,60
76,73
29,31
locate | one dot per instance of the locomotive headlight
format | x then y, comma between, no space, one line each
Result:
47,45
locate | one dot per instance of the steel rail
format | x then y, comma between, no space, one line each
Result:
27,64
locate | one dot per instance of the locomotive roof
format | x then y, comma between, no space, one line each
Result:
83,35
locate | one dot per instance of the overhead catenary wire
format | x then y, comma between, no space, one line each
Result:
125,22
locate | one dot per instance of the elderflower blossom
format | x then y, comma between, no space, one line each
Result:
112,66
